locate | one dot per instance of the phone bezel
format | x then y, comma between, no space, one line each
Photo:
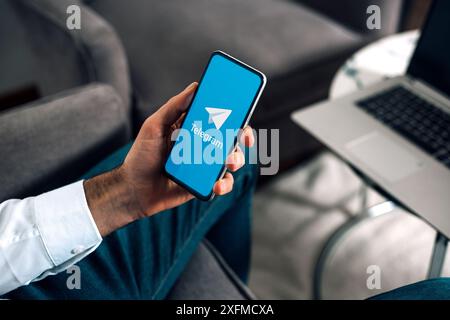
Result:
250,110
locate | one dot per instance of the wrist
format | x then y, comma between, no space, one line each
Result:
111,201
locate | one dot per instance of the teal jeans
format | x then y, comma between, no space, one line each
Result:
144,259
433,289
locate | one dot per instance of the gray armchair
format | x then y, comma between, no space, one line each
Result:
74,123
82,114
52,142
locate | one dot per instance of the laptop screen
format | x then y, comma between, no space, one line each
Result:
431,59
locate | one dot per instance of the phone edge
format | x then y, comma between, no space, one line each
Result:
263,77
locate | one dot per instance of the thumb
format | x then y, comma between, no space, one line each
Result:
172,109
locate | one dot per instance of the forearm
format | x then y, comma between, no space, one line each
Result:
111,201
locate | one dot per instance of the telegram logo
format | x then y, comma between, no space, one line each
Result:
218,116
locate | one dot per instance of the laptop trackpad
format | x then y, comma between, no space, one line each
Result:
384,157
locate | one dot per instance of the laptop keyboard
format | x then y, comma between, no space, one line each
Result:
414,118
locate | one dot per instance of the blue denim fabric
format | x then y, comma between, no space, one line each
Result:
144,259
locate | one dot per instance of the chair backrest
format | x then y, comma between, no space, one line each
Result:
38,51
352,13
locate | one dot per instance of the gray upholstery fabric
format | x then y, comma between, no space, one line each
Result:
48,143
28,56
353,14
169,42
37,48
207,277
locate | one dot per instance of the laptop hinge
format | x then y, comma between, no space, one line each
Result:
429,92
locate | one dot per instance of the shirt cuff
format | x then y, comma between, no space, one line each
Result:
65,223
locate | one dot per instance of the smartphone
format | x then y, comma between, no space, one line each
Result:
222,104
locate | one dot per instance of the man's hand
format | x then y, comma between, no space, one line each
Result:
139,188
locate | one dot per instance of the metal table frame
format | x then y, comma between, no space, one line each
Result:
437,257
440,244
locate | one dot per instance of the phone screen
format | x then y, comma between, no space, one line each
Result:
223,102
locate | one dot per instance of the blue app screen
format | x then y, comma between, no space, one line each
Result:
220,106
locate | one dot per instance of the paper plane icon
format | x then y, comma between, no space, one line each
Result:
217,116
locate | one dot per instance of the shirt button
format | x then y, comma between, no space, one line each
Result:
76,250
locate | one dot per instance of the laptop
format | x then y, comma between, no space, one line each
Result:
397,132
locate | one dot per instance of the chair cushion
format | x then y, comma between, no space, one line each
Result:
355,14
207,277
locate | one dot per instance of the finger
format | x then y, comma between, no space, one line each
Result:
179,121
172,109
179,192
235,160
247,137
224,185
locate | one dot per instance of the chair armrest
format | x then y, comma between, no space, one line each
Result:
51,142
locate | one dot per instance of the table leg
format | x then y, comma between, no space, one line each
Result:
332,242
438,256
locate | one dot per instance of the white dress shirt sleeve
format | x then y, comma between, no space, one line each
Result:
44,235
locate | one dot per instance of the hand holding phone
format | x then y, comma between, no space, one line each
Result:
222,106
139,188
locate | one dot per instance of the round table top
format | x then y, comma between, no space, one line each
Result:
384,58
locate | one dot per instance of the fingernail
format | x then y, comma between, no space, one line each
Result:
190,86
